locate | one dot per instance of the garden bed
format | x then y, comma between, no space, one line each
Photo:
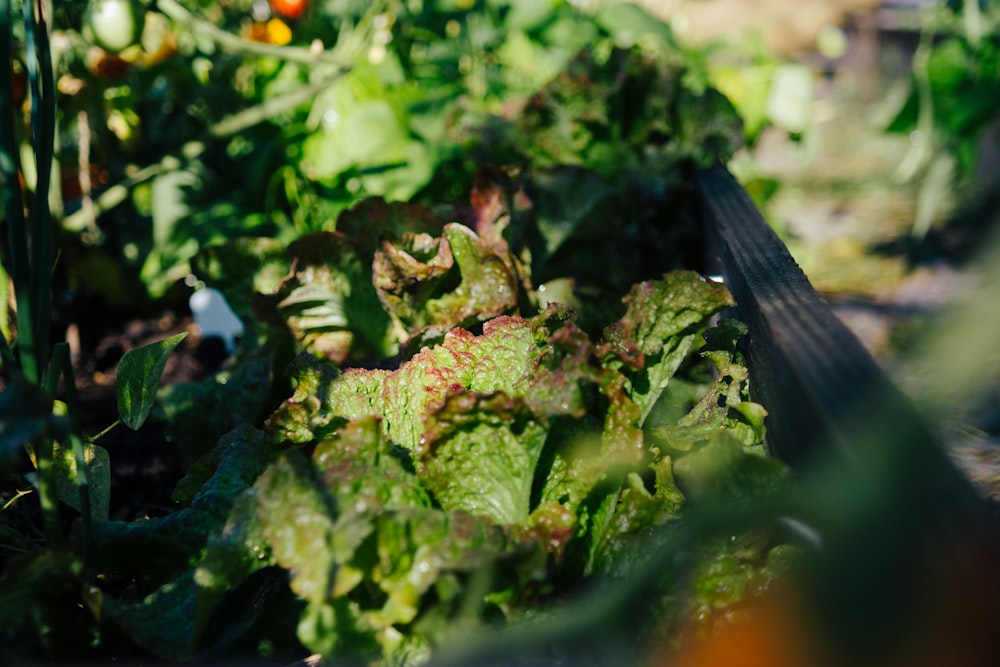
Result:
486,403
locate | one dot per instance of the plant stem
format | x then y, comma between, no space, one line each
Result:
17,496
95,438
43,119
17,232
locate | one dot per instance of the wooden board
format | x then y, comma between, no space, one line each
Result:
826,397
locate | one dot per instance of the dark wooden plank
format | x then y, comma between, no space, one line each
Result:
824,393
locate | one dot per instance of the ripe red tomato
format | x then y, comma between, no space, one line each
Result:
290,9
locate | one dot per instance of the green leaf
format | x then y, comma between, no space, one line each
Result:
197,414
329,303
25,414
659,329
628,23
431,285
498,360
40,610
720,468
949,65
358,465
163,623
139,373
166,546
725,406
98,464
231,555
478,455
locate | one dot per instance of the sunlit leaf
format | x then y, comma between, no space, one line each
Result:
139,373
98,464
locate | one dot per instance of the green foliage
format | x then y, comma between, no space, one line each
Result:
950,105
310,117
397,198
525,434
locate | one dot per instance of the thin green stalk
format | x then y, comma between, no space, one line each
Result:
43,136
17,231
17,496
105,431
47,495
972,18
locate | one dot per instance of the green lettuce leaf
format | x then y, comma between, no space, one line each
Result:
329,303
659,330
159,548
478,455
725,406
363,470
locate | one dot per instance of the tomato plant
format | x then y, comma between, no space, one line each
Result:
290,9
114,25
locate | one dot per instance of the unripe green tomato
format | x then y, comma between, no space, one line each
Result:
114,25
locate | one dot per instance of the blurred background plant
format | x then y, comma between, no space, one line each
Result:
183,123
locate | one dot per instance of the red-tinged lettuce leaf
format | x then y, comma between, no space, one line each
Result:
659,330
499,206
410,272
308,414
422,547
298,518
432,285
573,382
364,472
374,220
329,303
339,549
498,360
478,455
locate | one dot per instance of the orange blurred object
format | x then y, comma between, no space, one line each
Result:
765,632
954,623
290,9
274,31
